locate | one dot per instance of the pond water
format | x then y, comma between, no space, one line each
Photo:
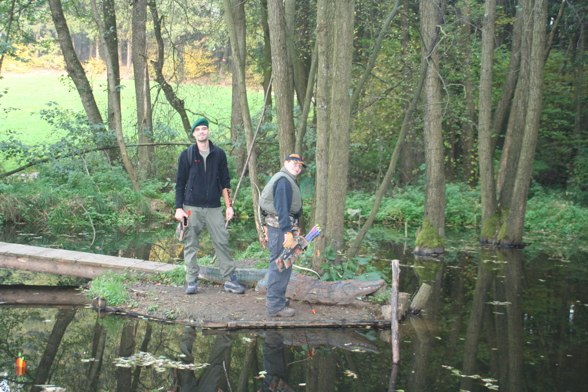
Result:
495,320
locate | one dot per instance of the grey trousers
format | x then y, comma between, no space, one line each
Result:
214,220
277,282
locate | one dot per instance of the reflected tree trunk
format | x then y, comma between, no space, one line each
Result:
62,320
126,349
144,348
358,382
249,365
419,366
98,344
513,272
327,367
475,323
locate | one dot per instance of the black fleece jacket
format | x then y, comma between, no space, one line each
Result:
197,187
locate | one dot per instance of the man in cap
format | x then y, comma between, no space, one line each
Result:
281,200
202,179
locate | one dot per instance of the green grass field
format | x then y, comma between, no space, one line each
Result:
24,96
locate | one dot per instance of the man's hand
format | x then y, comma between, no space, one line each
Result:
229,213
180,214
289,241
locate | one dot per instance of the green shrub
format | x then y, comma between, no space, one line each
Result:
112,286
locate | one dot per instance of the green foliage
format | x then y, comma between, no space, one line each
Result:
406,205
555,216
361,268
253,251
112,286
175,277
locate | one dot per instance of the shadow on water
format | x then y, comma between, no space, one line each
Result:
495,319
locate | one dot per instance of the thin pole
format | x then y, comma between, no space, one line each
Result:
394,311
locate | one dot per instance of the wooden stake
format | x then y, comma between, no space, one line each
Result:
394,311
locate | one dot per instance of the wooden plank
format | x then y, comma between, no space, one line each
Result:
56,261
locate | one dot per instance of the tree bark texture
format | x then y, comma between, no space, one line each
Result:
239,152
485,151
323,101
283,82
239,58
513,233
434,212
170,94
73,66
142,91
62,320
340,121
115,98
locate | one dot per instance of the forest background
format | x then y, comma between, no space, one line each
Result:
427,114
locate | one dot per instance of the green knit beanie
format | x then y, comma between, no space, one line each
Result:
200,121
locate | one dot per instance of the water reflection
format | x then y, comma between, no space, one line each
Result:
511,320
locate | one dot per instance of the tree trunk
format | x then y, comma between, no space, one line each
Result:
513,233
112,96
299,76
512,75
432,232
468,135
373,56
283,83
111,45
252,165
323,103
74,68
340,120
8,30
303,119
485,151
170,94
267,59
239,152
142,92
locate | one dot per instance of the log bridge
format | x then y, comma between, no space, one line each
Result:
72,263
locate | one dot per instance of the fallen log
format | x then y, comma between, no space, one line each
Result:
301,287
342,292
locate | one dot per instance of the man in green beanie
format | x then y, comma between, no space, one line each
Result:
202,179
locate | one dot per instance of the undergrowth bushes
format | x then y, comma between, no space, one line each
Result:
72,196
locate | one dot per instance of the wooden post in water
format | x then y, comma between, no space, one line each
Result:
394,311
